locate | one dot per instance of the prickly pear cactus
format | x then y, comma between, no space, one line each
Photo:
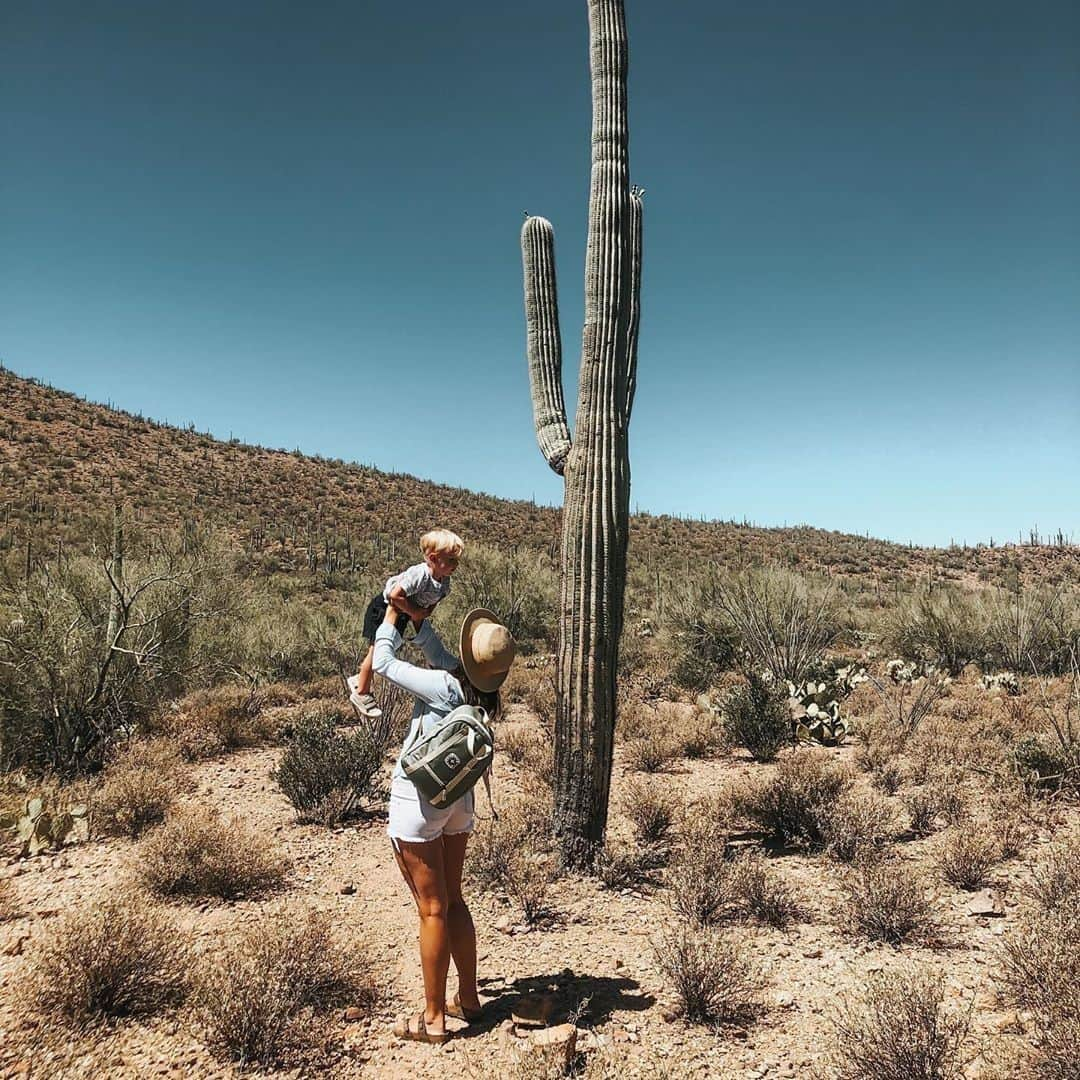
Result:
595,464
815,706
38,830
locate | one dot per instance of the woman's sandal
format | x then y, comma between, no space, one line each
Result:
459,1012
404,1029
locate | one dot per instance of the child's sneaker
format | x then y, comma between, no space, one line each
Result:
364,704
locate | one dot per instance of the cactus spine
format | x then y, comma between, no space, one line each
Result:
595,465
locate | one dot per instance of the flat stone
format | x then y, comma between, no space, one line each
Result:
985,904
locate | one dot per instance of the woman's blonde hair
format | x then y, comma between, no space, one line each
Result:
442,541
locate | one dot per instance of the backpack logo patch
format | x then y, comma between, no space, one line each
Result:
452,761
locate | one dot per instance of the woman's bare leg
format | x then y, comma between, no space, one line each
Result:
423,868
459,922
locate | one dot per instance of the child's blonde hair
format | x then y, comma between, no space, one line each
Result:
442,541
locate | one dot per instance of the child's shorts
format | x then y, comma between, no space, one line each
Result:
376,612
416,821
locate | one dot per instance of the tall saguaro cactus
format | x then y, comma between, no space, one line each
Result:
595,464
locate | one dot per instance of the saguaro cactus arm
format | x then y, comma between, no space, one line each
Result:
544,342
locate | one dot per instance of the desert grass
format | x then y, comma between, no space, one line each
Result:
265,998
139,785
899,1029
119,955
196,853
858,825
886,901
967,857
714,976
793,803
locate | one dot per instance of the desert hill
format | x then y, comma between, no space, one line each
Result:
64,463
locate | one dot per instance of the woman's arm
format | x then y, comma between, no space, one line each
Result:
435,652
429,686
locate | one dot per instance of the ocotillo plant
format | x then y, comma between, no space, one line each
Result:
595,465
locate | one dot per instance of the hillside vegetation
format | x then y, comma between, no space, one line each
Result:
64,464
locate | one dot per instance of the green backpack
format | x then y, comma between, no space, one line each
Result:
445,764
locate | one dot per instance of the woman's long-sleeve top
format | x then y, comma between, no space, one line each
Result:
435,692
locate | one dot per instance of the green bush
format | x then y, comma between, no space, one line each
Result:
323,772
945,627
757,717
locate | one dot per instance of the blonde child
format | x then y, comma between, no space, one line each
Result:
413,594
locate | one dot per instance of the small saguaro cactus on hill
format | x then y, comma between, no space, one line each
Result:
595,464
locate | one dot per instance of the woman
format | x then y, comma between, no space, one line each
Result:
429,843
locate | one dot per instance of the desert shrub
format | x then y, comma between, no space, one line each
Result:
533,686
908,696
1047,765
760,891
324,772
264,999
1055,1056
784,622
213,720
887,902
947,788
944,626
714,977
858,825
794,803
966,858
757,717
511,854
1033,629
65,693
621,866
1055,878
139,785
119,955
196,853
899,1030
705,641
652,809
890,775
1041,960
696,734
286,641
530,749
650,753
696,889
924,807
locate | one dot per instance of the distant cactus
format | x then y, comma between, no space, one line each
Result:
595,464
815,706
1008,681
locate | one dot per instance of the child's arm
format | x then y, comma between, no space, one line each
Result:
400,601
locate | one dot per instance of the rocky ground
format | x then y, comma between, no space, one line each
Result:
590,962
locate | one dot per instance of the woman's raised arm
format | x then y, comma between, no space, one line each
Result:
429,686
435,652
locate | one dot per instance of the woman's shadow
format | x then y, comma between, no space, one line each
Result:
540,1001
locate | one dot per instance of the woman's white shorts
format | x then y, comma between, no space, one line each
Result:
416,821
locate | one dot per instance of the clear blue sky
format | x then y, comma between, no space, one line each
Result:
298,224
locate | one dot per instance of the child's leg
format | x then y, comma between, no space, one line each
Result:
363,685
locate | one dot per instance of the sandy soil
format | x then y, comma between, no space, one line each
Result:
595,950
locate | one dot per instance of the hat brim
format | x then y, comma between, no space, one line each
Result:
486,683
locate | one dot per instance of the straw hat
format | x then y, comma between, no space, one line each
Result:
487,649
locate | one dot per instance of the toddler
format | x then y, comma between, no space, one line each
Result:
414,594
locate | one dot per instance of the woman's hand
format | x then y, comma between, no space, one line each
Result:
391,616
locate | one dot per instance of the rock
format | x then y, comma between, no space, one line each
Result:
353,1013
556,1045
504,924
985,904
348,890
